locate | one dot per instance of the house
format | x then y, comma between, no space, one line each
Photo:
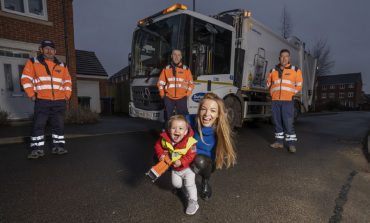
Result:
23,25
119,85
341,89
91,80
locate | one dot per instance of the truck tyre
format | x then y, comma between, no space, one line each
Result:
234,111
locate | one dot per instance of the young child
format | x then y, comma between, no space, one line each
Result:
179,144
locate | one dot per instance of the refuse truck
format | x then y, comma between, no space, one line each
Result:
230,54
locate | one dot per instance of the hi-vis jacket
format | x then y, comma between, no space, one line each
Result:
184,151
45,79
175,82
284,84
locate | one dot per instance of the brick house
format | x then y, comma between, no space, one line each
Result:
23,24
91,81
343,89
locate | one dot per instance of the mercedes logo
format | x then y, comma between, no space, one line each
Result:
146,93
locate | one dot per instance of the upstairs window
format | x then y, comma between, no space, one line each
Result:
30,8
332,86
324,87
351,86
342,86
350,94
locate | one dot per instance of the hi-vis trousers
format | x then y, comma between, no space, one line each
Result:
283,115
54,112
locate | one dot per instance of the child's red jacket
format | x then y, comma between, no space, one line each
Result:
187,158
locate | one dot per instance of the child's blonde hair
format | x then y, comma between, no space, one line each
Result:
225,152
176,117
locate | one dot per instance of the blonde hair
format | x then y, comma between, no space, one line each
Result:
225,152
174,118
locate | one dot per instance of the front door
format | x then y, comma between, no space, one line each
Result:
12,97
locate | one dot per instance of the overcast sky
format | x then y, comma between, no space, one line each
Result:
106,27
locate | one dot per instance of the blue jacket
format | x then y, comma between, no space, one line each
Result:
207,147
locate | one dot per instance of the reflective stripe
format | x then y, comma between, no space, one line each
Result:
67,81
67,89
279,135
47,86
57,136
26,76
38,144
291,137
59,141
284,88
298,84
60,80
35,138
42,87
162,83
44,78
176,79
189,88
160,87
173,85
27,86
283,81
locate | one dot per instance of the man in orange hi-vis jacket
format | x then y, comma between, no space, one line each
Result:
47,82
175,84
284,81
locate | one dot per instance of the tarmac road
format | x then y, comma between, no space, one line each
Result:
102,178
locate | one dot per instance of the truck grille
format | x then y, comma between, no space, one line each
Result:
147,98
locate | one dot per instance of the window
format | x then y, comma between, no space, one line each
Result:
211,49
350,94
350,86
324,87
31,8
8,77
342,86
341,95
332,86
323,95
331,95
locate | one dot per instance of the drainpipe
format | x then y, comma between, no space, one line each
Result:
65,31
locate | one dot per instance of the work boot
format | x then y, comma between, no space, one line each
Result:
277,145
35,154
59,151
292,149
206,190
192,207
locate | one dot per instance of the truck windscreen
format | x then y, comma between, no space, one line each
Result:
152,45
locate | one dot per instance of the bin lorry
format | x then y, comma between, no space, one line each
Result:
229,54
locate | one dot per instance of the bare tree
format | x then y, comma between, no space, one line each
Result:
321,51
286,24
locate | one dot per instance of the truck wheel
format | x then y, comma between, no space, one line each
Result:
234,111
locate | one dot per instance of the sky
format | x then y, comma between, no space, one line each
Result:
106,27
